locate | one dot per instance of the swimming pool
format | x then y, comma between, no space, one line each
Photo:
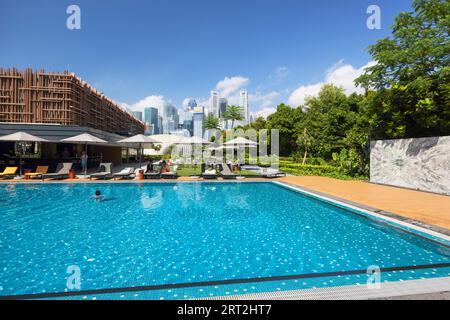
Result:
192,240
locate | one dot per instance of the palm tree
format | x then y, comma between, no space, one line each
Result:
211,122
305,141
233,113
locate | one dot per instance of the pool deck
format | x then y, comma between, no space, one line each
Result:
429,208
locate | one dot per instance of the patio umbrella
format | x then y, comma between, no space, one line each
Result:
22,137
84,138
194,140
240,143
140,140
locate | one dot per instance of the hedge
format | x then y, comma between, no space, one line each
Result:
299,169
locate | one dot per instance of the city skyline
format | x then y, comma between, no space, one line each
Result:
276,53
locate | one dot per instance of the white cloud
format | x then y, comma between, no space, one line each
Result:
150,101
263,100
340,75
228,86
265,112
298,97
279,75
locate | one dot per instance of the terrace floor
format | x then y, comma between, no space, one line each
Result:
429,208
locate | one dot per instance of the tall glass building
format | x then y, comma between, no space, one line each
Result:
151,120
171,118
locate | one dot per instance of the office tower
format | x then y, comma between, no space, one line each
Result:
198,122
186,119
171,118
214,101
223,103
192,104
160,125
243,103
151,119
137,115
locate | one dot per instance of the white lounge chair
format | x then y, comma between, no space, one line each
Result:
126,173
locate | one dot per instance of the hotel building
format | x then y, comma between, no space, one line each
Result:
57,105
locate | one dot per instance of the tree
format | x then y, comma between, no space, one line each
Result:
412,74
305,141
259,124
233,113
285,120
211,122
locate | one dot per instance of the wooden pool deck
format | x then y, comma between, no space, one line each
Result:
425,207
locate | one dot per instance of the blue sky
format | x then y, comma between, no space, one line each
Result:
143,52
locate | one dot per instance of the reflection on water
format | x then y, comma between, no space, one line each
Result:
151,198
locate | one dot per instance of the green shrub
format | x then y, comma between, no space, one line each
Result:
315,170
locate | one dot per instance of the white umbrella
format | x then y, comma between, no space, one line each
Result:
240,143
194,140
141,140
22,137
85,138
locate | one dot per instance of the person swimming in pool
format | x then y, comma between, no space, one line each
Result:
98,196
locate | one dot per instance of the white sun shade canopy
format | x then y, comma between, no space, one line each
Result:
241,142
84,138
193,140
139,138
22,137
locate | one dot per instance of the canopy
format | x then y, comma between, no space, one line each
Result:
241,142
141,140
193,140
22,137
84,138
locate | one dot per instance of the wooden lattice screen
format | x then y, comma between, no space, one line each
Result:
60,98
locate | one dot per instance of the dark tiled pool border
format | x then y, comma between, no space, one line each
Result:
213,283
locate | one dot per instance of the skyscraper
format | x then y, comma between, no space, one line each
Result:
243,103
192,104
186,118
137,114
151,119
198,122
223,103
214,101
171,118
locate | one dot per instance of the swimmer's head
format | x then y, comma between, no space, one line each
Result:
98,193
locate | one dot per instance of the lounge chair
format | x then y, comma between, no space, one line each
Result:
104,171
271,173
40,170
226,173
126,173
172,174
153,173
61,172
209,174
8,173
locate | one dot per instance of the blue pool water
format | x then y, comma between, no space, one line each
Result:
153,234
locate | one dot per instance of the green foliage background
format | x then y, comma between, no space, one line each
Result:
407,94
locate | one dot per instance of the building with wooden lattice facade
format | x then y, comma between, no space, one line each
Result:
60,98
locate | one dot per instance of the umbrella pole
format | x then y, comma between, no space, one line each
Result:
85,156
140,155
20,159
